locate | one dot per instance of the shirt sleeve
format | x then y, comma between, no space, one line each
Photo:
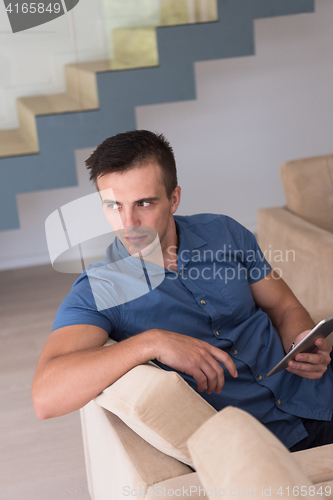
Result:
250,253
79,308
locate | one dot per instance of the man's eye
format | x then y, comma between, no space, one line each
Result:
144,204
113,206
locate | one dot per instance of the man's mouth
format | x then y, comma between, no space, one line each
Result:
135,239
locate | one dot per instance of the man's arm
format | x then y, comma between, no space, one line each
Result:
292,322
74,367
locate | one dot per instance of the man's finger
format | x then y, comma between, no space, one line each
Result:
306,374
323,345
307,370
307,367
226,360
200,378
215,376
318,358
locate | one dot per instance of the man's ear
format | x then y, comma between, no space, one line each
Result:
175,199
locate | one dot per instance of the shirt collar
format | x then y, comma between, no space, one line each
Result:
119,256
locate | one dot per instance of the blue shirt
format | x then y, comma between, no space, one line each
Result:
209,298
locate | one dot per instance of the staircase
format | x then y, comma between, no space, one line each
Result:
101,96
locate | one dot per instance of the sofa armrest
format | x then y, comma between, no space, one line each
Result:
118,460
159,406
135,432
234,453
303,253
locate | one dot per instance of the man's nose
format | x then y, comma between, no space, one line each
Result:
129,218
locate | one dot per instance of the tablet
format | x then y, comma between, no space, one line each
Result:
322,330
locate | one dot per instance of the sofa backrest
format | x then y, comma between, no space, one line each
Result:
308,186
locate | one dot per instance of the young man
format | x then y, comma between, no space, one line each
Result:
220,317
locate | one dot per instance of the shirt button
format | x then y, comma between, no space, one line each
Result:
235,351
217,332
259,377
180,273
202,302
279,402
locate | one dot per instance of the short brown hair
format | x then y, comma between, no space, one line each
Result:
133,149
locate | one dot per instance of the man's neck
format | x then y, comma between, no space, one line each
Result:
171,263
170,254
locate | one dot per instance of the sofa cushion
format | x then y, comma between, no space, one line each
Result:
235,453
306,262
159,406
308,186
317,463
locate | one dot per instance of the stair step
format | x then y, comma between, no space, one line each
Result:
134,48
14,142
56,103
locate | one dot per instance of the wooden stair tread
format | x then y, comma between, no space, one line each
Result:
56,103
13,143
107,65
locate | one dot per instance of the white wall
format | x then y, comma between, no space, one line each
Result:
251,115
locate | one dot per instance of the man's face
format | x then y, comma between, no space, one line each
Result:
138,209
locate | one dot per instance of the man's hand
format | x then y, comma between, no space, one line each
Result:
194,357
311,365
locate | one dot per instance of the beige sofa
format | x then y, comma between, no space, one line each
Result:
298,238
149,435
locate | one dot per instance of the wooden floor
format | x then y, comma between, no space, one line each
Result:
39,460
